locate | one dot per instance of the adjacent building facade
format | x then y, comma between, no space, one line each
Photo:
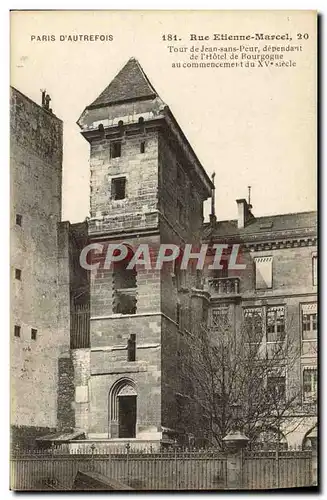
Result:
277,292
106,356
38,323
44,277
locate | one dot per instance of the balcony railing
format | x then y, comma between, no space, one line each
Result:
223,286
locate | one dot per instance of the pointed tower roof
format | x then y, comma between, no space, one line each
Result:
131,83
129,98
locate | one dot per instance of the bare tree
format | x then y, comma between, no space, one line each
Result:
237,382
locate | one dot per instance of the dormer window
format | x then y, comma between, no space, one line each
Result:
115,149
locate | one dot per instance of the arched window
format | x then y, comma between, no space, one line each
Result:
124,285
122,409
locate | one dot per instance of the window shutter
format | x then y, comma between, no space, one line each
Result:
263,272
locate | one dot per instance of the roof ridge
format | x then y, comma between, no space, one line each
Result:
144,74
270,216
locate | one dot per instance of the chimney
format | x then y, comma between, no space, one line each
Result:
243,213
43,93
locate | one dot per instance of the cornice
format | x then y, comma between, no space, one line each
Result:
280,244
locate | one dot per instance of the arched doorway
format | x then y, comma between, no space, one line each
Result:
122,409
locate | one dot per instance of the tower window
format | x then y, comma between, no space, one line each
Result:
17,331
131,347
19,219
118,188
18,274
124,285
115,149
33,333
142,147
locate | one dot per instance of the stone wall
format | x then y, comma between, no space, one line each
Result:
66,393
138,208
36,298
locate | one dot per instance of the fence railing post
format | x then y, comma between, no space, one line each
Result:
277,467
313,436
128,447
175,445
235,442
92,456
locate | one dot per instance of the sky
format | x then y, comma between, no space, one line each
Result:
250,126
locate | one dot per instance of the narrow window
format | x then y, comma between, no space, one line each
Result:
310,383
115,149
33,333
253,324
19,219
142,147
118,188
141,123
17,331
124,285
263,272
222,273
18,274
309,321
275,324
314,270
220,316
131,347
276,387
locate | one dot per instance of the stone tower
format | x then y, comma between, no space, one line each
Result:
147,187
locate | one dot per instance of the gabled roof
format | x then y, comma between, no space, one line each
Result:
131,83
